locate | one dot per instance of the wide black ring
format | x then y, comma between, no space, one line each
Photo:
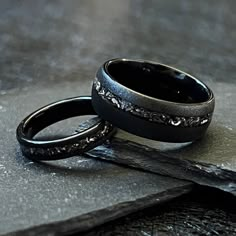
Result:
77,143
152,100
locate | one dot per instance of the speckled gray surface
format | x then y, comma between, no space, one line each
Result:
70,195
51,49
54,200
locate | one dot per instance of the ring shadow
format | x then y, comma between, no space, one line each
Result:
215,144
215,147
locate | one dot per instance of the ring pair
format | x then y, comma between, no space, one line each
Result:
145,98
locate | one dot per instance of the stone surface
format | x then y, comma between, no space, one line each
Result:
70,195
201,212
210,161
51,200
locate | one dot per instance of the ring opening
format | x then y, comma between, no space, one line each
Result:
158,81
56,113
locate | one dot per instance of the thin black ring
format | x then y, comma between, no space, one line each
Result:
67,146
152,100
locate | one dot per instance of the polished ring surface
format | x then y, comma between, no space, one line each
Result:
152,100
63,147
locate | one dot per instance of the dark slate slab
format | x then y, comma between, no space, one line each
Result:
210,161
202,212
52,200
71,195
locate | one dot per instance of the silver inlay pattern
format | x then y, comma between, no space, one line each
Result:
180,121
74,148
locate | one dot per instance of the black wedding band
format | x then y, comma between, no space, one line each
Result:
152,100
67,146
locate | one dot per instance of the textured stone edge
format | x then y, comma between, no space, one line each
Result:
88,221
149,159
152,116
